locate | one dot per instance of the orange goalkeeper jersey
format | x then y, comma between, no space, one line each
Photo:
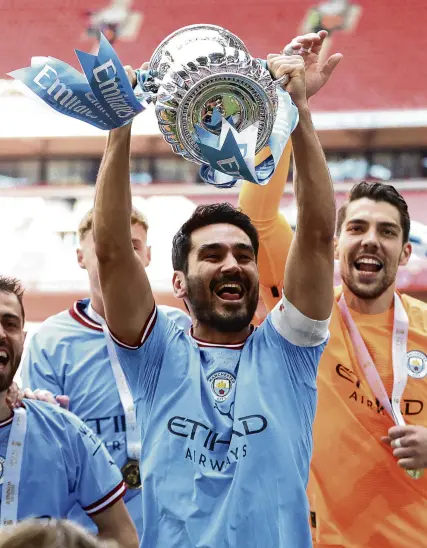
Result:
359,496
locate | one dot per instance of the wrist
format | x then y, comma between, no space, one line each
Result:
120,134
302,105
121,131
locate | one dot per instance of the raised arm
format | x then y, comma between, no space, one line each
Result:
262,203
308,281
126,291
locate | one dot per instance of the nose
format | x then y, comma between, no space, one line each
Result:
370,239
230,265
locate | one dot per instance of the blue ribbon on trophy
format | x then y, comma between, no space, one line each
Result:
104,98
231,155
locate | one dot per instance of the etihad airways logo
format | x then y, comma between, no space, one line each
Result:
212,441
409,407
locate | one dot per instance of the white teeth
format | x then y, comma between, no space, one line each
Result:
365,260
235,286
3,354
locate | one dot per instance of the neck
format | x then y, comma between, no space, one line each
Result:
369,306
211,335
5,410
97,303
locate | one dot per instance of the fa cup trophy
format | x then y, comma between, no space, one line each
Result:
215,104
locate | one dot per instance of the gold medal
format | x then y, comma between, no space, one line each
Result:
415,474
131,475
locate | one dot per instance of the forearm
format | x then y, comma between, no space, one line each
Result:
113,199
116,524
308,284
126,537
312,183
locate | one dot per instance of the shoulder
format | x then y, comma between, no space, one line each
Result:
66,326
177,315
54,324
54,422
46,418
159,333
417,312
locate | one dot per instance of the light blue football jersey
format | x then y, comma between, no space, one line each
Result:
68,355
63,464
227,433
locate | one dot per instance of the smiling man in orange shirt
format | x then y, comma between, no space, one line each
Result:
362,488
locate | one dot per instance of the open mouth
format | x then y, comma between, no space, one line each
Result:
4,358
368,264
230,291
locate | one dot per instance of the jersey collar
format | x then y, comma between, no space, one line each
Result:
7,421
205,344
79,312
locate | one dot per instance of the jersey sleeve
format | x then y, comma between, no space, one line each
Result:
97,481
36,368
261,204
302,339
142,364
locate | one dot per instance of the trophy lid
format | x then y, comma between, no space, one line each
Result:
186,36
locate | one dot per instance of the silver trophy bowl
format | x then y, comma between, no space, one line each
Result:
202,67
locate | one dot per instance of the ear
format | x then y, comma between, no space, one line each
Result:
336,248
148,255
80,258
179,285
405,255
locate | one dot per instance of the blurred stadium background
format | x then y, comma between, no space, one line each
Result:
371,119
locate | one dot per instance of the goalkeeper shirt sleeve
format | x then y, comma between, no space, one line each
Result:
261,204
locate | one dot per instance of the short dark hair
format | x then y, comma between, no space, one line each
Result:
13,285
205,215
378,192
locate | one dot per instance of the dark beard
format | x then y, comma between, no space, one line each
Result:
229,323
367,292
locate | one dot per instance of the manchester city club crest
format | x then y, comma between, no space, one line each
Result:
417,364
221,384
2,461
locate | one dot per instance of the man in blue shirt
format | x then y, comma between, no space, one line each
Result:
226,412
49,459
68,354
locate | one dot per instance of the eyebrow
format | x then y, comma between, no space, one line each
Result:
217,246
382,224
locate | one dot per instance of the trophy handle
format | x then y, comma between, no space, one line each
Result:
280,81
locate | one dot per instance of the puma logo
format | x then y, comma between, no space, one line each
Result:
228,414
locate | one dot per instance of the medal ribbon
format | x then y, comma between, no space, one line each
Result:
133,438
12,468
400,371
